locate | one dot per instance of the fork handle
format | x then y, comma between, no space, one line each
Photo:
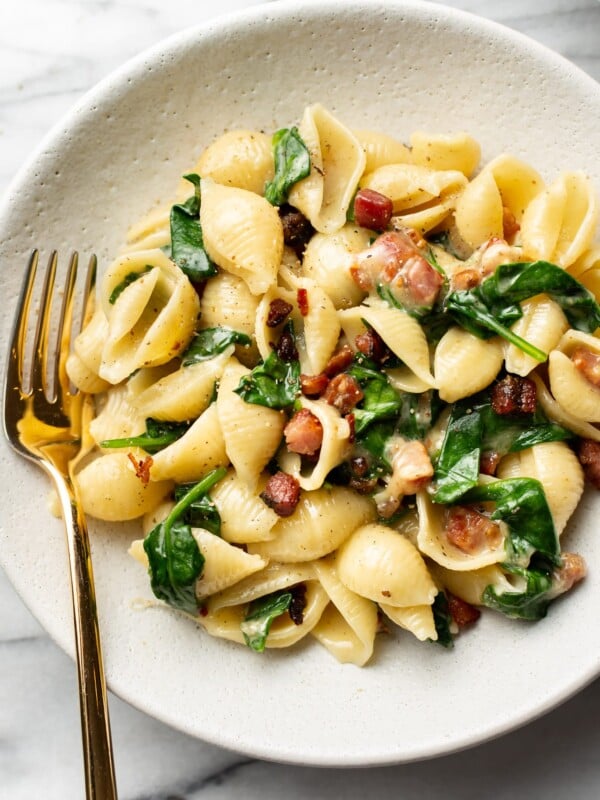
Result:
95,724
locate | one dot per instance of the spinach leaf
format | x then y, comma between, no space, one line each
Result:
261,614
187,244
158,434
292,163
210,342
380,401
457,467
174,558
374,440
509,433
202,512
442,620
275,383
530,604
127,280
522,505
494,305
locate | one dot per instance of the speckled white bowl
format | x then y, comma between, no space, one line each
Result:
395,66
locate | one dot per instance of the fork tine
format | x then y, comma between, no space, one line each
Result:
64,330
16,361
39,371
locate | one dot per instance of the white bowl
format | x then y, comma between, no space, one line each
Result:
393,66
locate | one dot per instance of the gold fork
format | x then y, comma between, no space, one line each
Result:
43,423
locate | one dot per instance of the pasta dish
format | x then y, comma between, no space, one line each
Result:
348,384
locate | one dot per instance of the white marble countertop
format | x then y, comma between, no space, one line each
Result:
51,51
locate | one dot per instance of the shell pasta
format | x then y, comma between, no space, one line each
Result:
349,383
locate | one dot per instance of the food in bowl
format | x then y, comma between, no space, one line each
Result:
348,382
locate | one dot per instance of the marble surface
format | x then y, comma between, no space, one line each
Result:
51,51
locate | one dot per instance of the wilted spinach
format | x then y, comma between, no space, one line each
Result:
261,615
292,164
211,342
187,243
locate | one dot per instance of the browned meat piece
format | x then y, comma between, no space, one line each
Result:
462,613
303,433
279,309
514,395
588,453
470,531
282,494
343,392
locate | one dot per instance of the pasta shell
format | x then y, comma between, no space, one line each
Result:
227,301
555,412
478,214
244,516
242,234
224,564
380,564
327,261
110,490
381,149
239,158
337,162
464,364
457,151
571,389
273,578
252,433
117,418
322,520
542,324
470,585
416,619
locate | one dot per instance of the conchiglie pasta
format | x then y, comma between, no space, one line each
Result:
244,516
334,447
251,433
570,386
470,585
557,468
83,363
322,520
380,564
274,577
117,418
337,162
348,625
242,234
381,149
153,230
542,325
401,332
109,488
224,564
457,151
327,261
240,158
418,620
422,198
465,364
200,449
152,318
555,412
559,225
227,301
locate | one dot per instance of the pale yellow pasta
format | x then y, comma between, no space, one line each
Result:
227,301
557,413
470,585
224,564
457,151
398,329
465,364
381,565
334,447
151,320
337,162
227,622
418,620
542,324
242,234
185,393
322,520
251,433
381,149
559,225
83,363
588,260
273,578
244,516
328,258
200,449
570,387
557,468
348,625
421,197
433,542
116,417
109,488
153,230
241,158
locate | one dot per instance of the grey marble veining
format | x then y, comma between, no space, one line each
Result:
51,51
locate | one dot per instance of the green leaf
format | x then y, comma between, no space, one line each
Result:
521,503
174,558
202,512
530,604
442,620
274,383
210,342
457,467
187,243
381,401
159,434
292,164
261,615
127,281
